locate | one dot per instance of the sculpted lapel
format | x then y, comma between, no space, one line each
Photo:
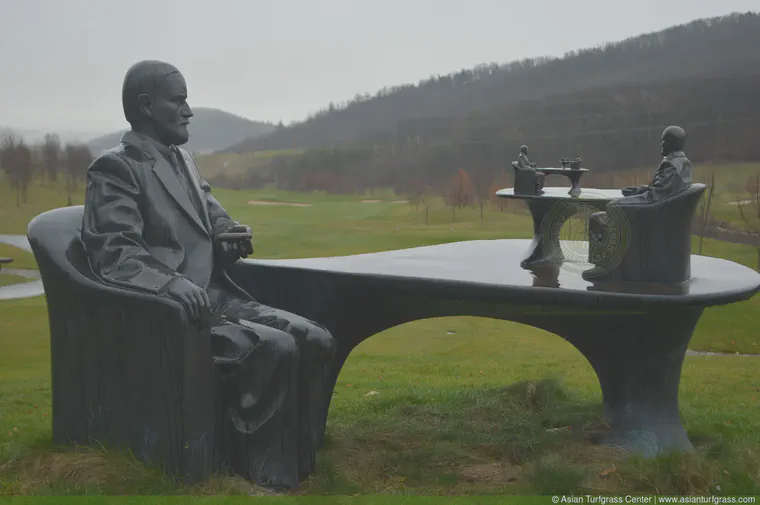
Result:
165,174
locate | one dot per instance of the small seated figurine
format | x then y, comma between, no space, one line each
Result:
576,165
672,176
527,180
522,159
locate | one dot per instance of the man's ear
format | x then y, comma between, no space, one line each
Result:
144,106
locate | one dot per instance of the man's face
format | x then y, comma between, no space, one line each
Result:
169,110
665,147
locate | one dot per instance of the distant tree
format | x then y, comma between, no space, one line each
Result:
426,199
704,216
51,156
460,192
78,160
413,192
498,201
16,161
749,210
25,168
8,163
481,186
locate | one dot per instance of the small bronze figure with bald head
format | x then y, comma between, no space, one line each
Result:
672,176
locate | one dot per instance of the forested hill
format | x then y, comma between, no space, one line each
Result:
718,46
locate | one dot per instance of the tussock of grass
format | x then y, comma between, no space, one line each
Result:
85,471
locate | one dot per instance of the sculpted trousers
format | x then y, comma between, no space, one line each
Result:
273,367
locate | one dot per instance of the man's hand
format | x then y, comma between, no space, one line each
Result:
634,190
234,243
193,297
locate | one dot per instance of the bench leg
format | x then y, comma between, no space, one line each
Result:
638,361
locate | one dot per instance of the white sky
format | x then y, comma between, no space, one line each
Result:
63,61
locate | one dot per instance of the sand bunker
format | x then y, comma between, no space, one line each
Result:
742,202
391,201
289,204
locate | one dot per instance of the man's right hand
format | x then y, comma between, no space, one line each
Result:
193,297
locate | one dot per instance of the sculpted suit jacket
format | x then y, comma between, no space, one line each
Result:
672,176
140,228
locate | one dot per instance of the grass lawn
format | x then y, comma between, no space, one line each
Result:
8,279
21,258
442,406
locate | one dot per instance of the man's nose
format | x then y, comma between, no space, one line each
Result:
187,112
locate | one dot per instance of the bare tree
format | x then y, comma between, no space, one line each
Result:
9,164
502,181
481,187
704,216
78,160
51,156
16,160
25,168
426,199
749,210
460,192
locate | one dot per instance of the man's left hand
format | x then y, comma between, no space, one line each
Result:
235,243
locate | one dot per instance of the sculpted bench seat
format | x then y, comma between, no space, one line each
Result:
130,369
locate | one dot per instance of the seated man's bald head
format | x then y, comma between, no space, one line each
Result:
154,97
144,77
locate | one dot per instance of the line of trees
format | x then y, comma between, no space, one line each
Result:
48,160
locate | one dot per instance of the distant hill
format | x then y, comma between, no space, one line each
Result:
210,130
717,46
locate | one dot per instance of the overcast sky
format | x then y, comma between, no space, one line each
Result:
63,61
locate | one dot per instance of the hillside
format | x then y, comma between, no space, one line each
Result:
210,130
717,46
613,128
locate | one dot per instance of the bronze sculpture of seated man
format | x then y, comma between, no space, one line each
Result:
522,184
151,224
672,176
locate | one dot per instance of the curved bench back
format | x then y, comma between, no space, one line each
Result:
55,239
660,238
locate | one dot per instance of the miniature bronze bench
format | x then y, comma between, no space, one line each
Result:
130,370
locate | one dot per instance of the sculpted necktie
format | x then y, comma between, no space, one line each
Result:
184,180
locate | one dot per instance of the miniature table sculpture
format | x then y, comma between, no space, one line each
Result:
550,211
574,174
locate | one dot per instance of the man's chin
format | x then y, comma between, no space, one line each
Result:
179,140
